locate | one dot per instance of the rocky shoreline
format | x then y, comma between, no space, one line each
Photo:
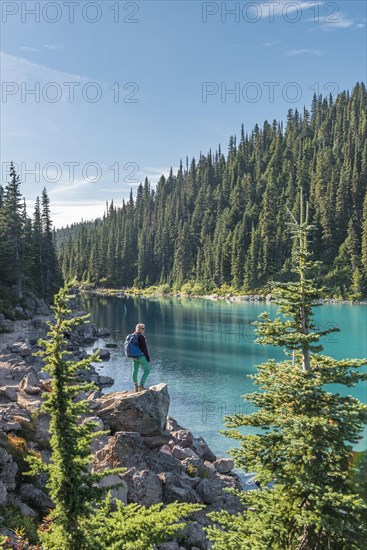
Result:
164,462
227,297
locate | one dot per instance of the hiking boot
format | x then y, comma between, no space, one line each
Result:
136,387
141,388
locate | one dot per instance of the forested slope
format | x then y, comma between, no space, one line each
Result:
222,218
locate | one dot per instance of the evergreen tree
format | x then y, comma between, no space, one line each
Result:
364,243
187,229
74,488
303,456
11,235
50,273
37,248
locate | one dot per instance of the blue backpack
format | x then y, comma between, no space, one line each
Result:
131,346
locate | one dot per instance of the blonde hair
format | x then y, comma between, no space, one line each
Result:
139,326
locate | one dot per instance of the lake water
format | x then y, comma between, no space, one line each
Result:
204,350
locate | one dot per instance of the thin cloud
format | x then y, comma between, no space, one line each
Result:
305,51
325,21
54,47
28,49
268,9
269,44
337,21
19,69
69,187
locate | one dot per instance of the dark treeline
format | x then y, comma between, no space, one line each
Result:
222,219
27,245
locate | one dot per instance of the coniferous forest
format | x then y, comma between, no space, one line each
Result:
27,246
222,218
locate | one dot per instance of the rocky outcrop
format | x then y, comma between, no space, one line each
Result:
144,412
163,461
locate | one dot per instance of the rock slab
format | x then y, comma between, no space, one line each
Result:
144,412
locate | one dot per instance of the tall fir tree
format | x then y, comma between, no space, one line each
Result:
50,271
11,235
303,455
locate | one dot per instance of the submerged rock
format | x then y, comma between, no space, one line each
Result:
103,354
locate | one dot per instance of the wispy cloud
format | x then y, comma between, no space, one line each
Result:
323,17
28,49
268,9
270,44
54,47
336,21
305,51
20,69
68,187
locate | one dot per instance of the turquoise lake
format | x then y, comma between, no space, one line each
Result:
204,350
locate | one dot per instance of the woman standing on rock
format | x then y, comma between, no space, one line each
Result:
142,361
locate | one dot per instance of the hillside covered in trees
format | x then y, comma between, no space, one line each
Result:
222,218
27,248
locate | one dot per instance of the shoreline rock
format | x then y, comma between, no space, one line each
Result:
164,461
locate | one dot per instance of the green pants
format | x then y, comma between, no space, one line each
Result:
143,363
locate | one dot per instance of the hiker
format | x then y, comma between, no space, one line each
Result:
141,361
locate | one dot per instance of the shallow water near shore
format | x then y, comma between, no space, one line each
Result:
204,350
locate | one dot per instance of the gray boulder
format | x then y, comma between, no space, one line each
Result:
169,546
126,449
3,493
144,412
84,334
42,433
30,383
183,438
119,493
22,347
104,381
156,441
8,393
200,446
25,510
35,497
179,453
7,326
146,488
224,465
195,536
8,469
10,426
103,354
164,462
175,489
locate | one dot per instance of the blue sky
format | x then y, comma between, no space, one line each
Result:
123,90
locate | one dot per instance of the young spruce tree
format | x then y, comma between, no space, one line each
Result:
303,455
72,486
82,518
